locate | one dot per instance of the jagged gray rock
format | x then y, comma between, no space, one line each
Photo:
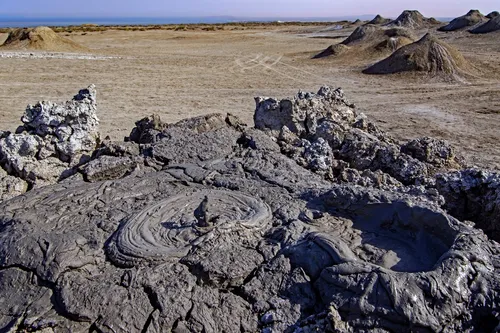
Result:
53,139
228,229
11,186
308,122
473,194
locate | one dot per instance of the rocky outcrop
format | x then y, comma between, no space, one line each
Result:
53,139
315,221
10,186
324,132
473,195
147,130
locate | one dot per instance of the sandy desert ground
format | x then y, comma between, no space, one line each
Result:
188,73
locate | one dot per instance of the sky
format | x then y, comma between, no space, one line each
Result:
240,8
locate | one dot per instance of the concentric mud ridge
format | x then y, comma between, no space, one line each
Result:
171,227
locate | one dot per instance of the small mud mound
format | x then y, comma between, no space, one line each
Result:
332,50
40,38
413,19
400,32
493,15
395,38
393,43
363,33
429,54
470,19
490,26
369,41
377,20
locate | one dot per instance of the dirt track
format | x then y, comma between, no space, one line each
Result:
182,74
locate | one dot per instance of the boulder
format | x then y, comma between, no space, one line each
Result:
54,137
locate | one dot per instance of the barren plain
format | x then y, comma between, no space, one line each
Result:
180,74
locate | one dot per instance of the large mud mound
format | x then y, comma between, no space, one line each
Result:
377,20
429,55
312,221
473,17
413,19
40,38
490,26
493,15
369,41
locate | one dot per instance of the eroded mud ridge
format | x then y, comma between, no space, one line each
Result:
313,221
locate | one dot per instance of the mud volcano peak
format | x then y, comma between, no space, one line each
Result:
379,20
429,54
493,14
473,17
412,19
40,38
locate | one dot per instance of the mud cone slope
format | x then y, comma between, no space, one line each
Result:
491,26
429,54
472,18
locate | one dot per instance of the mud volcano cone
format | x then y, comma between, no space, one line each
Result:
493,15
429,54
40,38
413,19
490,26
472,18
369,40
363,33
379,20
409,19
394,39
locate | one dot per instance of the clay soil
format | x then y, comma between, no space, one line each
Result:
180,74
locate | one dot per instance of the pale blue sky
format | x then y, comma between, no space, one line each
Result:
242,8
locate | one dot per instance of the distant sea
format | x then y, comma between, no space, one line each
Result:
19,22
